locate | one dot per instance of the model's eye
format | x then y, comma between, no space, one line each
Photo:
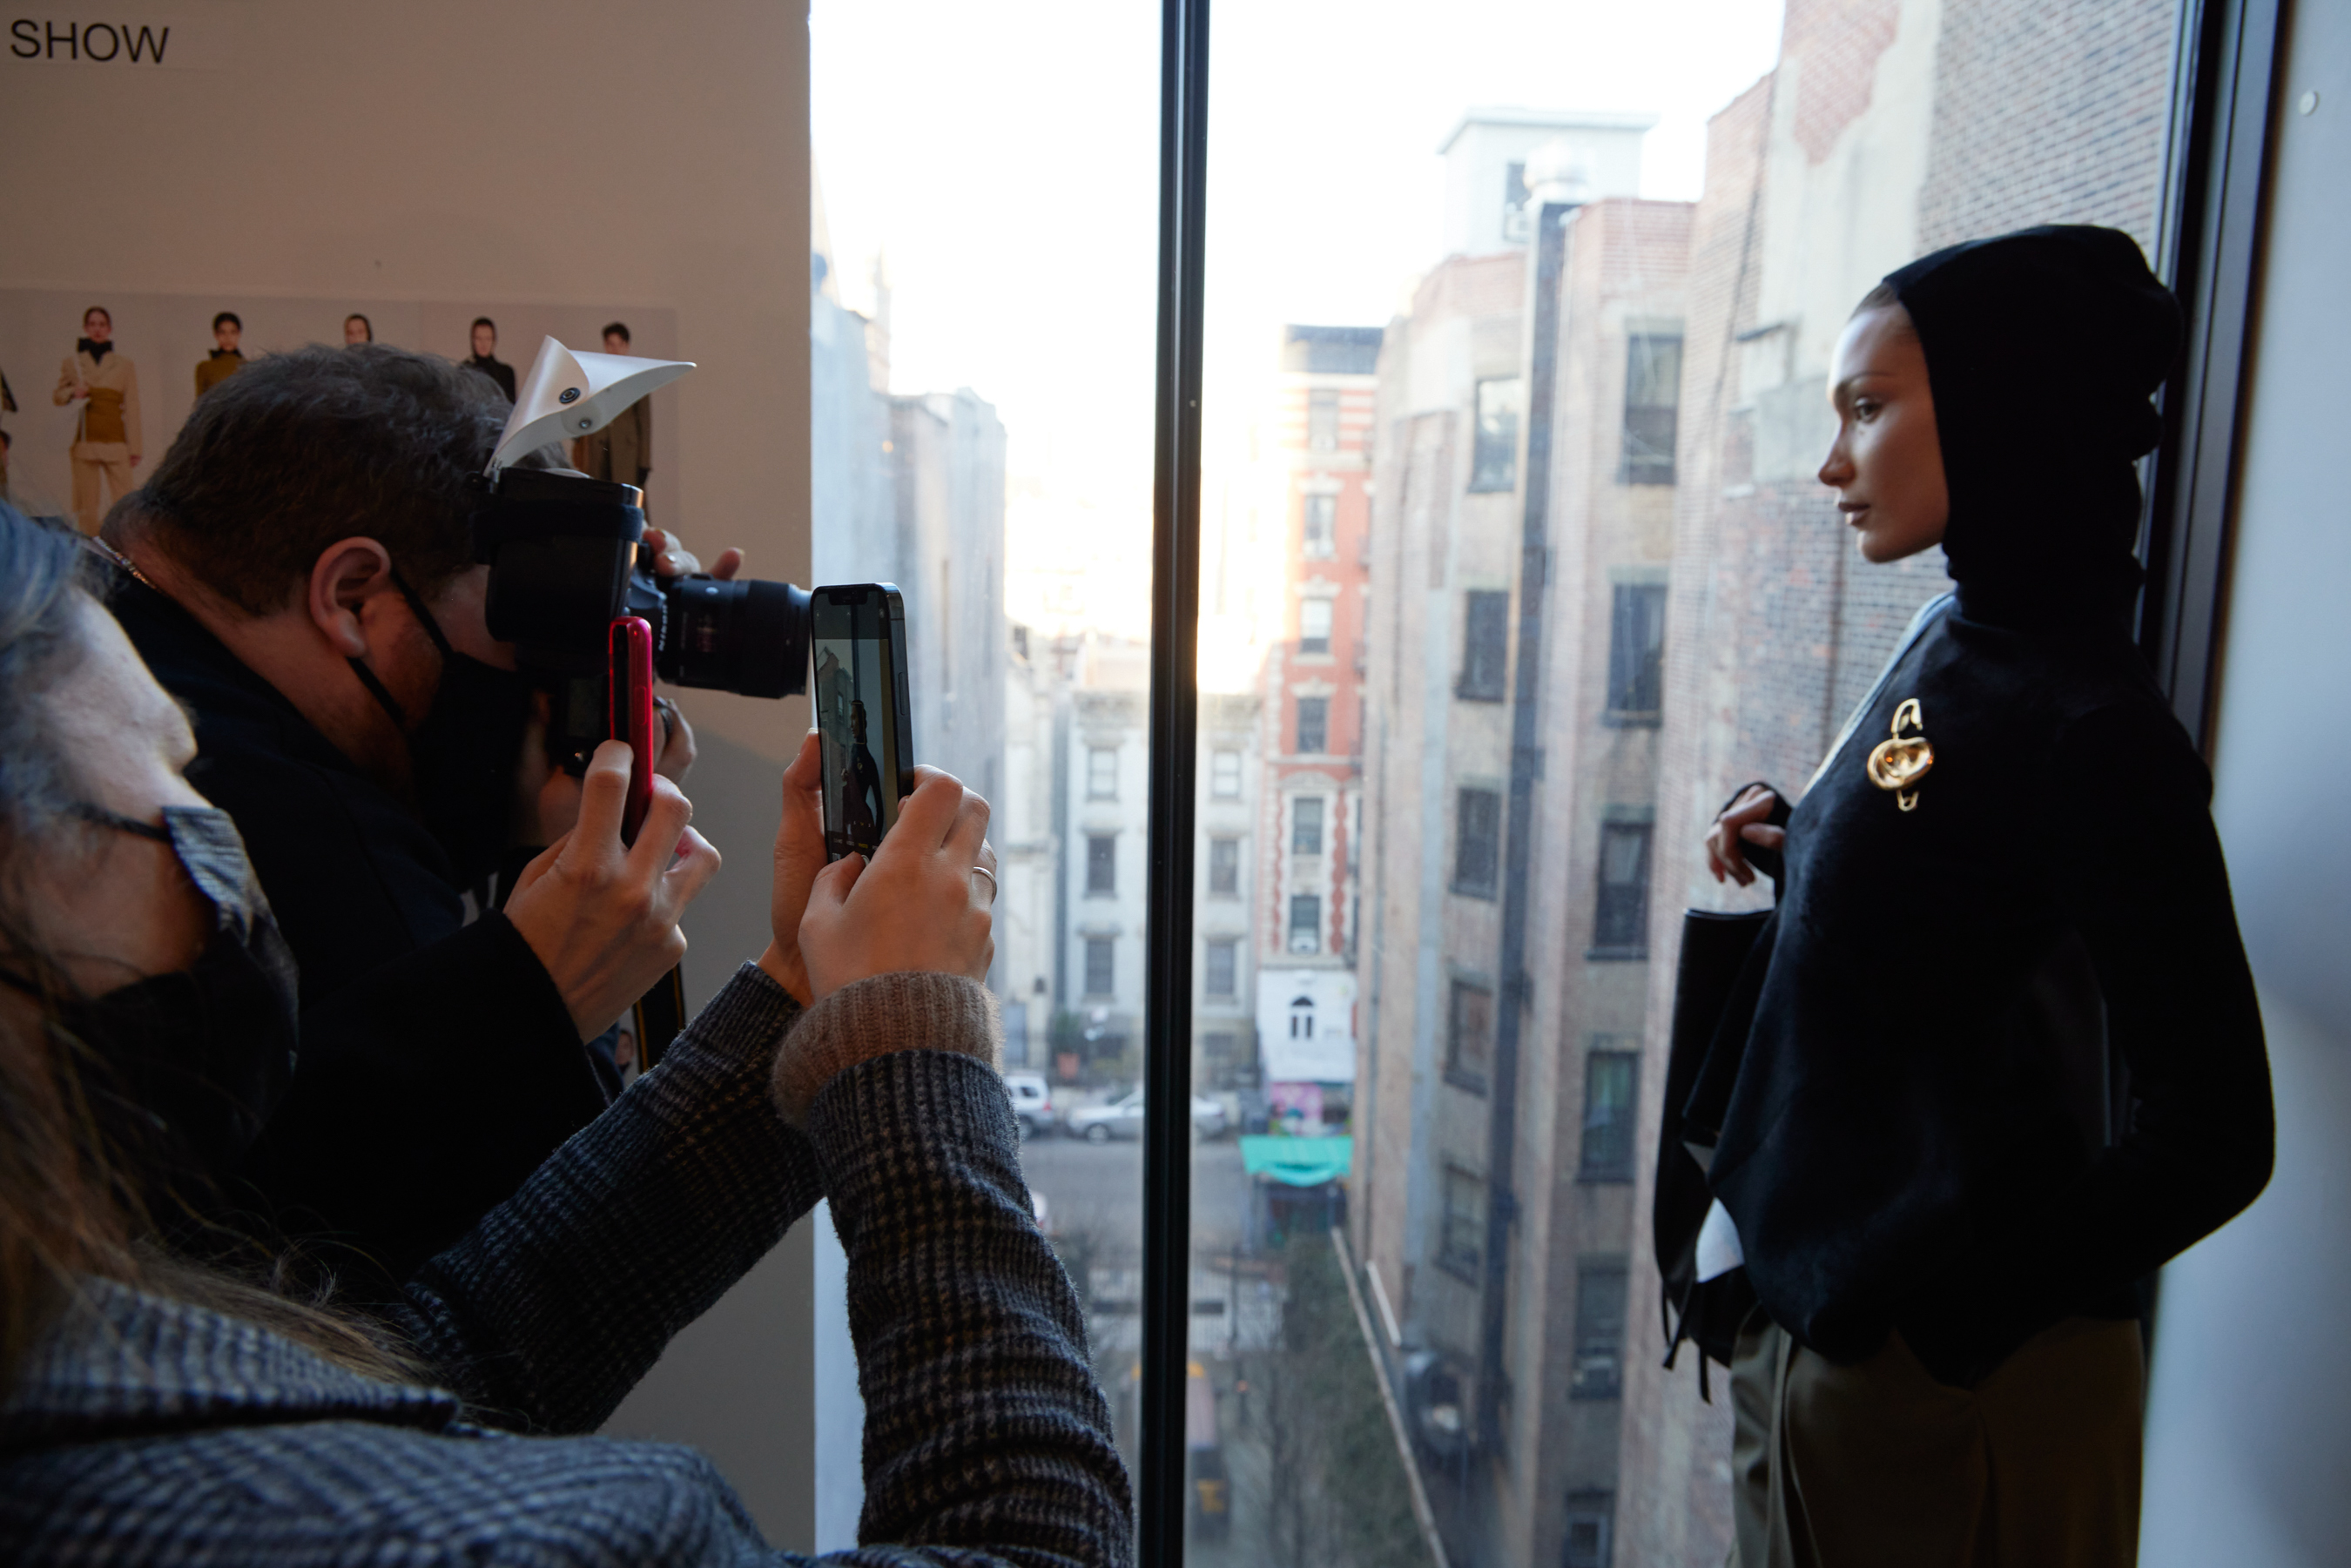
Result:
1865,409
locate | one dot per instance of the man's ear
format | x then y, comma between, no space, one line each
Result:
347,574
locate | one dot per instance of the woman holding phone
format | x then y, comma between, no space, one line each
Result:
160,1405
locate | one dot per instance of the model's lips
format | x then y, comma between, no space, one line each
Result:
1852,509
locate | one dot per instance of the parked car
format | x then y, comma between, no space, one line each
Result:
1032,1102
1123,1118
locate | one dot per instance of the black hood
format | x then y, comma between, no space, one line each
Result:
2043,347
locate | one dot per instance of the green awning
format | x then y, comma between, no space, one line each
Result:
1297,1162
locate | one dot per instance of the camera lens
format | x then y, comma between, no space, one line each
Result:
746,637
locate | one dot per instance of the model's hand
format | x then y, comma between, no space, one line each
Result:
799,857
1742,824
918,906
672,558
602,915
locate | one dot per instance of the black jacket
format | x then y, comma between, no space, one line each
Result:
1908,1143
439,1064
498,369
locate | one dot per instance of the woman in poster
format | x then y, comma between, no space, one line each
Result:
107,434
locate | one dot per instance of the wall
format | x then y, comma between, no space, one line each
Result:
530,154
2244,1454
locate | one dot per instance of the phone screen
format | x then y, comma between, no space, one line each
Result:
859,725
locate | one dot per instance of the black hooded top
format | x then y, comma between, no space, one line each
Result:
1921,1130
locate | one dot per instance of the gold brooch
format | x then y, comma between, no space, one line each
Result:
1899,763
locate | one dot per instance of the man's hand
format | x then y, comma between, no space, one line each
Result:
603,917
672,558
799,857
917,906
1742,824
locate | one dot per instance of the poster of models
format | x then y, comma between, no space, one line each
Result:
98,380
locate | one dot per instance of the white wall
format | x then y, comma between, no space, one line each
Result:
525,154
2247,1455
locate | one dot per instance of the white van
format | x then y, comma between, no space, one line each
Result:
1032,1102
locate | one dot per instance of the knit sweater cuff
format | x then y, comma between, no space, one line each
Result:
872,1017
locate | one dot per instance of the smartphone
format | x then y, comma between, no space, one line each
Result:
630,685
865,726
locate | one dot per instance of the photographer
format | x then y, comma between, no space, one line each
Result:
160,1410
305,582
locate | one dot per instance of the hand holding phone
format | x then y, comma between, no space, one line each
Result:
863,719
631,684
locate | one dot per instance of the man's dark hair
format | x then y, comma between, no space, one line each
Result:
618,330
298,450
485,321
363,321
228,316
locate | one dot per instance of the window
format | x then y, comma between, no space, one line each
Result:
1609,1078
1485,645
1599,1369
1102,865
1306,825
1514,198
1653,391
1224,774
1321,541
1225,866
1476,841
1305,923
1102,773
1301,1017
1637,652
1313,725
1461,1227
1470,1036
1314,625
1217,975
1494,460
1100,966
1620,924
1591,1524
1323,420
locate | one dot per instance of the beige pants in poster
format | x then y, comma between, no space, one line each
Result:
1875,1464
91,458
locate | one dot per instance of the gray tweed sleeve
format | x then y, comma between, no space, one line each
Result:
553,1307
985,1430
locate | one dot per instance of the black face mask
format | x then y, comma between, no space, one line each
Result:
463,757
203,1054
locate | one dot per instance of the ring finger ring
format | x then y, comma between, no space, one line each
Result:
983,870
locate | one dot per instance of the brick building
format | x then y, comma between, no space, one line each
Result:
1889,128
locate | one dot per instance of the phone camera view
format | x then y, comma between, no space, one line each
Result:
855,694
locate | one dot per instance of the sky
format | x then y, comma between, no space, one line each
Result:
1004,161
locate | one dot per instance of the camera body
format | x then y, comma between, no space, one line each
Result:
565,559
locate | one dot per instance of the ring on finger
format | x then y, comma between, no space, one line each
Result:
983,870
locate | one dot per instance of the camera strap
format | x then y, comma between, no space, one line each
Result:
368,677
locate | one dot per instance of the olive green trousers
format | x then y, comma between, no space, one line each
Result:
1877,1464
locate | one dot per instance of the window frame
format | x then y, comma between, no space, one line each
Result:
1307,815
1637,927
1600,1274
1309,904
1595,1167
1648,659
1099,859
1230,949
1298,725
1494,455
1477,683
1318,507
1465,1263
1221,886
1459,882
1326,611
1106,947
1096,756
1645,468
1471,1077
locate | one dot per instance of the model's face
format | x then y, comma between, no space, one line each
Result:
615,344
485,339
1887,463
356,331
228,334
97,326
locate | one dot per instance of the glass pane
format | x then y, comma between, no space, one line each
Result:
983,321
1528,402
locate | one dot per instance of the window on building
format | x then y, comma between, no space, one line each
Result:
1224,774
1306,825
1637,652
1620,923
1102,773
1301,1017
1476,840
1216,974
1599,1369
1313,725
1225,866
1485,645
1218,1048
1306,922
1653,393
1322,541
1461,1227
1102,865
1469,1035
1323,420
1100,966
1314,625
1514,198
1591,1521
1494,459
1610,1078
